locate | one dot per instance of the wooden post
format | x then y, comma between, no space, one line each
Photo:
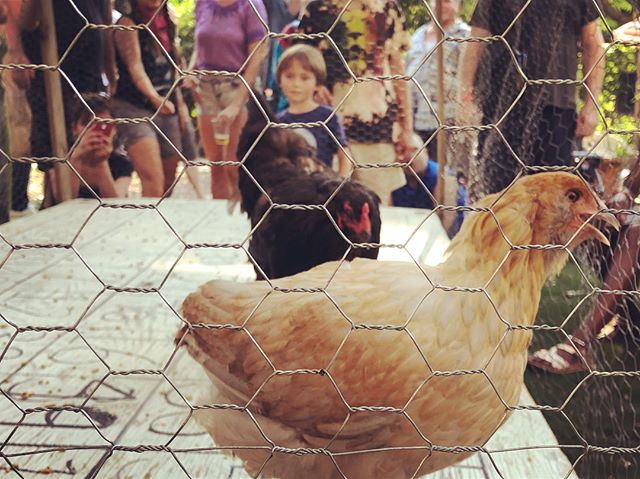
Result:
442,147
636,104
55,104
5,176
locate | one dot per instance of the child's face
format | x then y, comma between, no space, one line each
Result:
298,84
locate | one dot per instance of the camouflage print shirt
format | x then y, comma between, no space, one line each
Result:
366,34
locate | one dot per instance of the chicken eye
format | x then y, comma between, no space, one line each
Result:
574,195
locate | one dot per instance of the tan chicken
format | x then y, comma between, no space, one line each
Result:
357,383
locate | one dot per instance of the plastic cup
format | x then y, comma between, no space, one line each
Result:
221,137
221,133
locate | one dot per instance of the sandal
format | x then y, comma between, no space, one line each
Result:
563,358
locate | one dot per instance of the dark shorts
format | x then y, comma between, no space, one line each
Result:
120,166
547,141
130,133
556,133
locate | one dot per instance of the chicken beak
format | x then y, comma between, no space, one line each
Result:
610,219
591,231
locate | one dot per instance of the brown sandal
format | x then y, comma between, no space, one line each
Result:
563,358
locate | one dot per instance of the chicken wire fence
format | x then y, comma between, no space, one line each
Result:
593,414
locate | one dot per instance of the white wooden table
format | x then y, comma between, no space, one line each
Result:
46,291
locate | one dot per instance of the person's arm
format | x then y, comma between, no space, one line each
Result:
396,67
191,81
29,14
593,64
398,42
15,49
97,176
344,165
632,182
294,7
338,134
128,45
472,53
105,182
90,158
110,68
250,74
628,32
404,146
182,109
253,66
468,65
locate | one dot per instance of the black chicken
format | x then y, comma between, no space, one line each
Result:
289,241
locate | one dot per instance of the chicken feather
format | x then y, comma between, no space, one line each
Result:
381,406
286,241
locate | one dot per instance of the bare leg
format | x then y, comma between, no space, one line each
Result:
145,156
224,179
622,275
219,184
232,152
169,166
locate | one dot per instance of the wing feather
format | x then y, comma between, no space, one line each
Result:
297,330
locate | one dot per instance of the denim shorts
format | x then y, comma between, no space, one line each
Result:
216,94
130,133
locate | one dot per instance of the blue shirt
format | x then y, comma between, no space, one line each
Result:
325,145
417,197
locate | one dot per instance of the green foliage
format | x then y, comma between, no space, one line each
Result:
624,6
618,91
417,13
186,25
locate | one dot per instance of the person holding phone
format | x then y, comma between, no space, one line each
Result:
105,173
87,59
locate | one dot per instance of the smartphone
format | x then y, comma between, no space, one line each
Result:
104,128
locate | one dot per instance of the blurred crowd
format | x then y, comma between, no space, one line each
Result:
367,122
134,71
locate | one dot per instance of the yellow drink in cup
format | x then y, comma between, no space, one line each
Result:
221,137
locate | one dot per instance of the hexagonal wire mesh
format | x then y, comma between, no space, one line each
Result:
593,414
